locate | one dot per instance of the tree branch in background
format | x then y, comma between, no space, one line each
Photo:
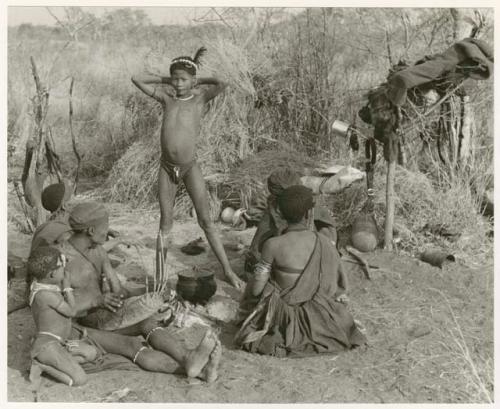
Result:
64,26
404,20
73,139
76,20
388,45
33,174
53,161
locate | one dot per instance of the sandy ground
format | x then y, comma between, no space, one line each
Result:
430,335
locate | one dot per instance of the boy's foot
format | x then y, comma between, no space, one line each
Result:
209,373
198,357
234,280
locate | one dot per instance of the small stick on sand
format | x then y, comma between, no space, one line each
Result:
358,256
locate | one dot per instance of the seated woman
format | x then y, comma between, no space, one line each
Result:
272,223
296,282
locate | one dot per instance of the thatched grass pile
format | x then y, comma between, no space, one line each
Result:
248,180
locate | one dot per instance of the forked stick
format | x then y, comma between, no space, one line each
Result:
358,256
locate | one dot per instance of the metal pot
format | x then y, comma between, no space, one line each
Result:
196,286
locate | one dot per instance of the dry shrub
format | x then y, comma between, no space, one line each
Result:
418,205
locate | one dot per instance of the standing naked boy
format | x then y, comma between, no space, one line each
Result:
182,114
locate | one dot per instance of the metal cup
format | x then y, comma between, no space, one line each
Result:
340,128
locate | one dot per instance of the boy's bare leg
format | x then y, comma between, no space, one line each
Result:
167,190
82,352
195,186
55,356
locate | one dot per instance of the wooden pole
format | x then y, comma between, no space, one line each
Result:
389,199
391,154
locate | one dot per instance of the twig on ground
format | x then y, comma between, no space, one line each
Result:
359,256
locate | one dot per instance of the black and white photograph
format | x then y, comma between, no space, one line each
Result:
248,204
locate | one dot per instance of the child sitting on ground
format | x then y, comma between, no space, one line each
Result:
53,305
182,114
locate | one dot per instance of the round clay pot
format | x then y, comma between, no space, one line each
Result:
227,215
364,233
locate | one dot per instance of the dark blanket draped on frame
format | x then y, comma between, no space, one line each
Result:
469,58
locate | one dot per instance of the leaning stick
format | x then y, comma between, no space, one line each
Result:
164,270
73,140
23,206
143,266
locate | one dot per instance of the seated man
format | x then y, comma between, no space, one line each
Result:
88,262
297,283
272,223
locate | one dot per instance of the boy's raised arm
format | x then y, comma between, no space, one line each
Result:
147,84
66,308
217,87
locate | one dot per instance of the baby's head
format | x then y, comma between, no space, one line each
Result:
46,264
183,71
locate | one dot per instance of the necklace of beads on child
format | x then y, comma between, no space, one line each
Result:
184,99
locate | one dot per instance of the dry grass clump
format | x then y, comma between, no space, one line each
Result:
134,177
248,179
134,180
